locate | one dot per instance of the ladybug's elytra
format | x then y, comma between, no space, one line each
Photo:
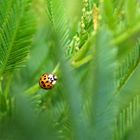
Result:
47,81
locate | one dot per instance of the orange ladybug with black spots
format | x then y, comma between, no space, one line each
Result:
47,81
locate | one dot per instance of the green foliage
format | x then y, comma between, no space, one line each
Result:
96,96
15,35
104,99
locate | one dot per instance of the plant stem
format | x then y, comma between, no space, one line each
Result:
126,35
56,68
1,84
8,83
83,61
32,89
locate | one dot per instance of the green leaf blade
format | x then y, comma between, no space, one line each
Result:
16,36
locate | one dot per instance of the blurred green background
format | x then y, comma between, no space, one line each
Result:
93,47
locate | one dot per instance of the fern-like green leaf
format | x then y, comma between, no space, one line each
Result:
56,14
128,67
129,99
127,117
104,75
16,32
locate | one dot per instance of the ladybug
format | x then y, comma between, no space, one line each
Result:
47,81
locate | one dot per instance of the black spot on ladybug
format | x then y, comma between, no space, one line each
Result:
43,85
42,82
47,81
44,78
